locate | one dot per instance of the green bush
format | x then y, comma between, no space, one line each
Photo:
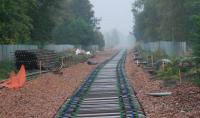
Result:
159,54
171,70
5,68
196,81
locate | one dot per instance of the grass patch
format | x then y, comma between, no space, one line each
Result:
196,81
5,68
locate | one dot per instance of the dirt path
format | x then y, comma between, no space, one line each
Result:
42,97
183,103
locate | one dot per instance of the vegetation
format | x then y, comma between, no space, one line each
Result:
15,23
196,81
49,21
70,58
170,71
187,66
5,68
157,54
171,20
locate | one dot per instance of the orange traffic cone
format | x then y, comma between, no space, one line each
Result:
11,83
16,81
21,76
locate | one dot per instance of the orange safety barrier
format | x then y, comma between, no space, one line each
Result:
16,81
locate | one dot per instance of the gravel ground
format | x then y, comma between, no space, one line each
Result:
183,103
42,97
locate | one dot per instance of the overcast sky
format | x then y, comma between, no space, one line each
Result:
115,14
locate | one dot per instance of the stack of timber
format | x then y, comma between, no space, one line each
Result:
36,59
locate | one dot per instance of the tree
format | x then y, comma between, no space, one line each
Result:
79,26
83,9
147,21
193,13
44,15
15,23
48,21
196,44
174,20
99,40
160,20
78,33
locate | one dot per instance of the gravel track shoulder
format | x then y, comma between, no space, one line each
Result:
42,97
183,103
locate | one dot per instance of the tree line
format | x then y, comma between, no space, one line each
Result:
49,21
170,20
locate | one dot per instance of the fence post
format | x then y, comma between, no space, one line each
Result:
180,77
1,53
152,60
40,68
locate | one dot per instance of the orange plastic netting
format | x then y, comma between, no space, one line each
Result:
16,81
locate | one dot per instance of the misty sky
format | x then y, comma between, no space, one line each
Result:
115,14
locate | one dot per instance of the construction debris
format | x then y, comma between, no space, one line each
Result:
90,62
159,94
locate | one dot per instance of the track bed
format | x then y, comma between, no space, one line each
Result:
105,94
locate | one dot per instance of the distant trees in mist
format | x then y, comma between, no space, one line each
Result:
112,38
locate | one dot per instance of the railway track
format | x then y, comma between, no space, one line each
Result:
104,94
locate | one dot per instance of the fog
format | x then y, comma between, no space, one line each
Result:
116,16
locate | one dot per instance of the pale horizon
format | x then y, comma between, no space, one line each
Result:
115,14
